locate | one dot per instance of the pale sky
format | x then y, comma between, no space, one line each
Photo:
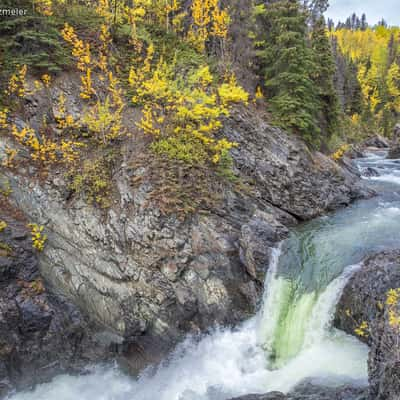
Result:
374,9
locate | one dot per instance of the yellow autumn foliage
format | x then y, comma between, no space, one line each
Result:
209,20
103,122
82,52
3,225
16,84
46,151
3,118
340,152
259,94
46,79
379,76
64,120
8,161
183,118
44,7
37,236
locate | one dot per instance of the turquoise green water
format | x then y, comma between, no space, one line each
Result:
317,253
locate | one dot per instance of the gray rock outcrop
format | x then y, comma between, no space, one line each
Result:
140,273
285,172
309,391
365,299
394,152
378,142
42,334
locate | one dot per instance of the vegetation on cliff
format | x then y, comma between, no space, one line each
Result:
151,56
162,72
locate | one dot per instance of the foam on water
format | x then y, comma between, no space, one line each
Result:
390,178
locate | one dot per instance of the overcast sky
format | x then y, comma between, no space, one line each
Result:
374,9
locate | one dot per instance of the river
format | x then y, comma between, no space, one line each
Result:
291,338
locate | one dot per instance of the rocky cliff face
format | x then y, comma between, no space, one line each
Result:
285,173
365,298
41,332
149,278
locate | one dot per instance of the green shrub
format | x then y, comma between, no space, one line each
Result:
93,182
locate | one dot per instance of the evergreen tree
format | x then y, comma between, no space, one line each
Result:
324,71
346,82
383,23
352,89
317,8
364,24
331,25
287,63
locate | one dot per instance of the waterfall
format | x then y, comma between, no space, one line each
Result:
293,319
292,326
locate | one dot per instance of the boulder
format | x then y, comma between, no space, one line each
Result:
309,391
396,133
364,299
349,165
355,151
394,152
370,172
377,141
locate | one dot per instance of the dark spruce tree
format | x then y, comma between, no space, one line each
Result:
364,24
331,25
287,63
323,77
346,83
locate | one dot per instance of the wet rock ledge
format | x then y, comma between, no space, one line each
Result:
309,391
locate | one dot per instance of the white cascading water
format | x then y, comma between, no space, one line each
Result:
294,321
291,338
229,362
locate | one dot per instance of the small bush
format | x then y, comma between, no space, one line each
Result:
38,238
93,182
